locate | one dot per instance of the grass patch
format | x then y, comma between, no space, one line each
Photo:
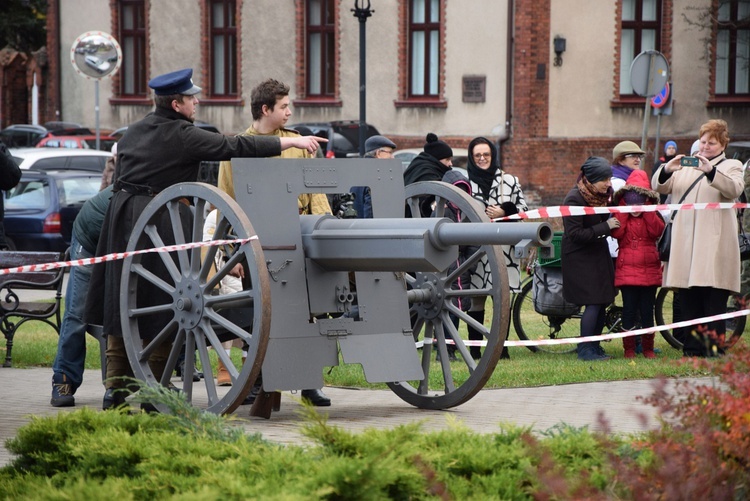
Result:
35,345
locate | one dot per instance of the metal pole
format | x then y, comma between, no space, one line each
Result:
658,136
96,110
647,109
362,13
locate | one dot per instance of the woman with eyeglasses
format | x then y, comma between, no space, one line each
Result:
502,196
627,157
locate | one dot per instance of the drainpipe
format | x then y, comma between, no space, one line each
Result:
505,134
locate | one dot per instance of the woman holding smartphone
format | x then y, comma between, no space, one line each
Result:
704,263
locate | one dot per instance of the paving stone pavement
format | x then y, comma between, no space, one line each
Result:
26,392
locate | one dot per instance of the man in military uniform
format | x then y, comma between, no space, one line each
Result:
162,149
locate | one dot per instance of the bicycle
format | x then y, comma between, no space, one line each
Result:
666,311
530,325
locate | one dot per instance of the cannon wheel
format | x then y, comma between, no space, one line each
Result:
191,280
458,381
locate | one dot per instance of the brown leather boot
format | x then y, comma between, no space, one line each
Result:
222,375
628,343
647,341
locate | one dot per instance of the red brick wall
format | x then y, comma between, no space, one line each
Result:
15,93
49,108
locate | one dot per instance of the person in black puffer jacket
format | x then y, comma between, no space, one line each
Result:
430,165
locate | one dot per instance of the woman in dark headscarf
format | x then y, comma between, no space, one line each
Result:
588,272
501,195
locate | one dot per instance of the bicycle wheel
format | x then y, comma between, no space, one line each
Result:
530,325
667,310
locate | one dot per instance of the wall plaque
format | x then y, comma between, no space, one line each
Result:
474,89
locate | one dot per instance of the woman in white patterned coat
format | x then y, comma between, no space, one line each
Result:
501,194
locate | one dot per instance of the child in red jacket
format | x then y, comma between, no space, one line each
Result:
638,271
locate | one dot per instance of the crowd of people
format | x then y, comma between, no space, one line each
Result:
602,254
704,264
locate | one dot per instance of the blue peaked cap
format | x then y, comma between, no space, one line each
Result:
177,82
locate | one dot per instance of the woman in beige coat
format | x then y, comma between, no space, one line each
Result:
704,263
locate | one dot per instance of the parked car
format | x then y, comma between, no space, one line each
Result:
343,136
40,210
78,142
62,125
739,150
117,134
22,135
60,158
460,156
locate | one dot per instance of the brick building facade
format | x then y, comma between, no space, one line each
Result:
546,117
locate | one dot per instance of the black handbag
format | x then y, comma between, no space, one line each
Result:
742,236
664,243
744,245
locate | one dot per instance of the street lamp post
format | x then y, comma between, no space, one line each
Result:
362,13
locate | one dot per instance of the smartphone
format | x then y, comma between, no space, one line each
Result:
689,162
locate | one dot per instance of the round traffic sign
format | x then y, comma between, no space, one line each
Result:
648,73
661,98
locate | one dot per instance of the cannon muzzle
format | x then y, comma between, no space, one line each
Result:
390,244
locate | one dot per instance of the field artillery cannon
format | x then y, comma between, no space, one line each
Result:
315,270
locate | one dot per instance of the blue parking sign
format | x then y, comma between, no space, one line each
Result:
661,98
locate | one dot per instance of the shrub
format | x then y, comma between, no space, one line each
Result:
701,451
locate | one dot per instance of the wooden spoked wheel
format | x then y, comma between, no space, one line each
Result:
170,304
431,295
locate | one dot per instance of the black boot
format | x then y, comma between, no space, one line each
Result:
254,391
180,372
591,352
316,398
475,335
114,398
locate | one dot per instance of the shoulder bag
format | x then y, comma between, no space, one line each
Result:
664,244
742,236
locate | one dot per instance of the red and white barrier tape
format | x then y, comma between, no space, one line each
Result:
573,210
121,255
605,337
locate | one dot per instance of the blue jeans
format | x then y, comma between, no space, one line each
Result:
71,347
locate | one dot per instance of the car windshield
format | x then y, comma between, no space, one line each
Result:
28,194
740,152
75,191
104,144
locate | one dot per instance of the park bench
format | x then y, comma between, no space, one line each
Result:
15,311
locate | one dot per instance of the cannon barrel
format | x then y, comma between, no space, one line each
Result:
390,244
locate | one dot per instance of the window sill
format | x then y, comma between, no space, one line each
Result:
222,101
628,102
421,103
321,102
720,102
131,101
